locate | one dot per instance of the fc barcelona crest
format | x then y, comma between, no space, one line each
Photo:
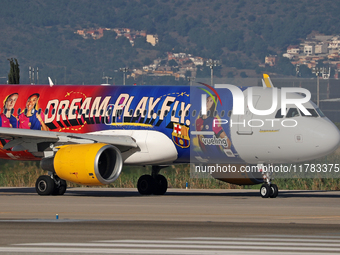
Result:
180,136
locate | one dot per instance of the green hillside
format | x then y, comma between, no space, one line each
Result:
240,33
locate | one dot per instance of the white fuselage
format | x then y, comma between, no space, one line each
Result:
281,139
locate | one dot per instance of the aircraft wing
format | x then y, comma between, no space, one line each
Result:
38,141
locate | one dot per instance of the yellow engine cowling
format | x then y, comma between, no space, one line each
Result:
86,164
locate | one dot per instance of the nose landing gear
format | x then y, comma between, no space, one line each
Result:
268,189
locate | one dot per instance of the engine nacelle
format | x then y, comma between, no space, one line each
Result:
86,164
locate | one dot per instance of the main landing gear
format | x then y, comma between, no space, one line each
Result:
268,189
50,185
152,184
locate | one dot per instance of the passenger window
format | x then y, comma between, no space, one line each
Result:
222,113
193,113
215,113
311,111
292,112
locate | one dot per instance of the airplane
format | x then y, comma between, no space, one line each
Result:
85,134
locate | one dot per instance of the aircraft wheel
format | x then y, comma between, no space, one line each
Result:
44,185
61,189
145,184
161,185
265,191
275,190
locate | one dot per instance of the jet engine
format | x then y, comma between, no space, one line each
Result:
86,164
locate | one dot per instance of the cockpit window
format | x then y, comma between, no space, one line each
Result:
320,112
292,112
312,112
279,114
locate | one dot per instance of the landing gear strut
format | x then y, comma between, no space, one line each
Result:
152,184
268,189
50,185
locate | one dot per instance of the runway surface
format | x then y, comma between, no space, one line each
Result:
120,221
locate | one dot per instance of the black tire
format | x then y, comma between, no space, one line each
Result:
265,191
275,191
61,189
145,184
161,185
44,185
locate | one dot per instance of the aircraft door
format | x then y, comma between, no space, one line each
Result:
243,127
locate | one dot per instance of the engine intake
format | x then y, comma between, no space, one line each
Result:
86,164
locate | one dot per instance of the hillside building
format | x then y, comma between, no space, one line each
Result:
270,60
152,39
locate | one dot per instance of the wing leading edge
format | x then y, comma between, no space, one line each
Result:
38,141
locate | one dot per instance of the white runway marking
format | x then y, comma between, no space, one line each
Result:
195,245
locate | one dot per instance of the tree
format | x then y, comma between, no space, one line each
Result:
284,66
14,72
172,63
305,72
147,61
243,75
230,75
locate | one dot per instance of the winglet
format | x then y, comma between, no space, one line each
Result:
266,82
